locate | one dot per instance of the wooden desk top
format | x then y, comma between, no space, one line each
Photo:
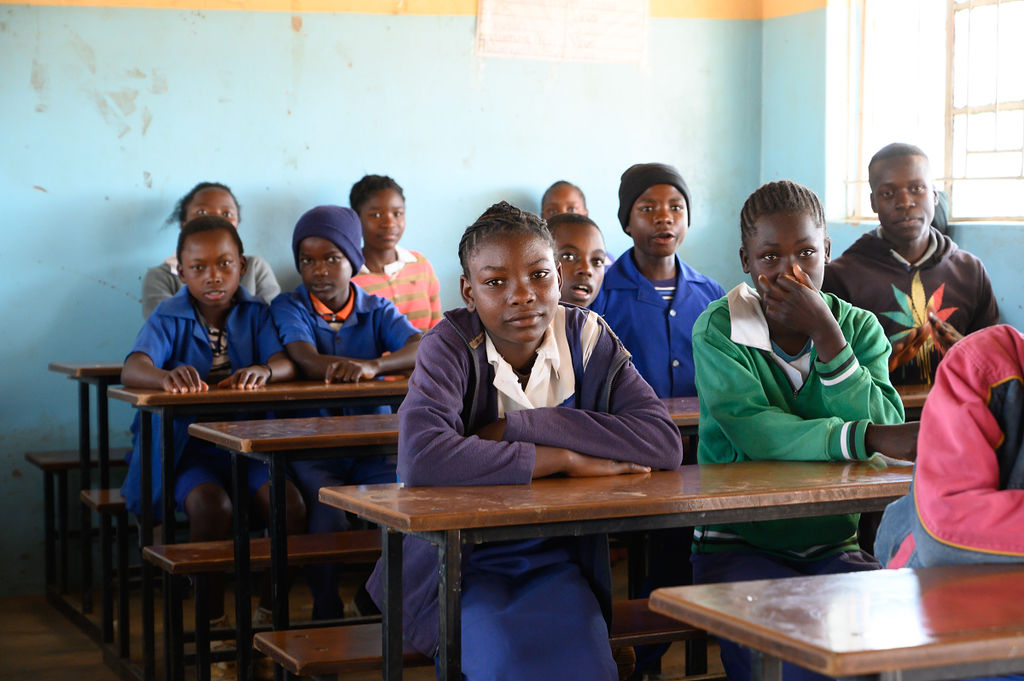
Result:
275,392
866,622
341,431
913,396
306,433
706,488
88,370
684,411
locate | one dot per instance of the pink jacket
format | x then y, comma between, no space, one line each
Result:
967,501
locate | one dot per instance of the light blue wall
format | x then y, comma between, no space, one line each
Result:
109,115
793,105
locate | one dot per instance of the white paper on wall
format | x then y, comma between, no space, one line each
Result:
571,30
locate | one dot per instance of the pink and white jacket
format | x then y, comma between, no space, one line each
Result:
966,504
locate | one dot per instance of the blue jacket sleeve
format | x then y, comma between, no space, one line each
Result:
291,320
393,327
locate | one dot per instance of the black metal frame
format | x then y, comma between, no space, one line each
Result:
167,414
449,544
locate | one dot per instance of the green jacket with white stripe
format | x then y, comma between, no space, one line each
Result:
754,409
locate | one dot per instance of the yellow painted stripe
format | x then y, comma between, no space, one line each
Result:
665,9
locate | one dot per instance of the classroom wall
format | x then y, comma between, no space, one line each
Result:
110,114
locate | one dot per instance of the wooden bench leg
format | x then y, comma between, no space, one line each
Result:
123,593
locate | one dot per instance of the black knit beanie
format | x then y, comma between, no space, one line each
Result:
639,178
338,225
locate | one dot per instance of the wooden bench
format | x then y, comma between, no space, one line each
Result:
329,651
201,559
55,465
109,503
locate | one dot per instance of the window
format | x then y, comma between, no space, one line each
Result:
947,76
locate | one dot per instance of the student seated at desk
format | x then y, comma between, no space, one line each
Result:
967,501
785,372
335,331
924,290
404,277
513,387
579,248
206,198
212,332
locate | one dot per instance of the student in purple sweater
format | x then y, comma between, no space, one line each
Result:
513,387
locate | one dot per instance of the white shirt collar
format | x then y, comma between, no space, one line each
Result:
749,327
405,256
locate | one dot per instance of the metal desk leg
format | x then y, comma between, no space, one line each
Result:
449,595
764,667
146,539
202,615
85,482
391,631
243,605
106,577
103,434
167,523
123,594
278,543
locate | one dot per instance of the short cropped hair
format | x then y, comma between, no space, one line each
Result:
563,219
180,211
561,184
207,223
368,186
894,150
501,219
780,197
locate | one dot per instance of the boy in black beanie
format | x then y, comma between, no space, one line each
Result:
651,299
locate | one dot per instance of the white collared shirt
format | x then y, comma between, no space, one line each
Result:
750,328
549,385
405,257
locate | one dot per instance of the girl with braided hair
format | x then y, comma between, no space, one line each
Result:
786,372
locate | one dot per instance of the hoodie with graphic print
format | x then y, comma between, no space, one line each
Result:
948,281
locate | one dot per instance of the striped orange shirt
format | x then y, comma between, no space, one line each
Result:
412,287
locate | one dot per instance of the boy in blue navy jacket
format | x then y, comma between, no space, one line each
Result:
335,331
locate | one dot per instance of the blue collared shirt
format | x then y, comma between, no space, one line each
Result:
658,334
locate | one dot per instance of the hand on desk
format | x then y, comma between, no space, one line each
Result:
184,379
896,441
348,370
249,378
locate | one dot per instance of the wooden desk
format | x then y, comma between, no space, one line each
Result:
935,623
450,516
298,395
102,375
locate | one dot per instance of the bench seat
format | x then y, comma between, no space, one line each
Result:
355,546
343,649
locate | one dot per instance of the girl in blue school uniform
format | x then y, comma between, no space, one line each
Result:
651,299
335,331
510,388
211,333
